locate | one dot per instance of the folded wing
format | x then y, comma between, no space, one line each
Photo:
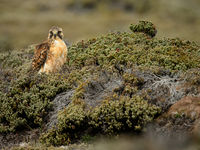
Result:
40,56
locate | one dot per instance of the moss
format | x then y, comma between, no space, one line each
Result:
144,27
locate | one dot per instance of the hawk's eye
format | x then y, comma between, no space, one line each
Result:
51,34
59,32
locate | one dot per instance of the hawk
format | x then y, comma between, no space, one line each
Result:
50,55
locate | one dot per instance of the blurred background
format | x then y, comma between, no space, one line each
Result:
25,22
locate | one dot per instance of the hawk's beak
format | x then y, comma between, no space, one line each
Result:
54,35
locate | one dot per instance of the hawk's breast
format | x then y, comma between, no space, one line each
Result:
59,51
56,56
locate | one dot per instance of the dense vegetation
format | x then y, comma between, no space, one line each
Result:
26,97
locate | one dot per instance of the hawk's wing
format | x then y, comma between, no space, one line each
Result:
40,56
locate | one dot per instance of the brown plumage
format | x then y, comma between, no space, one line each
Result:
50,55
40,56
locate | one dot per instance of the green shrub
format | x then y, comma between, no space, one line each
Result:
131,49
144,27
114,115
125,114
72,121
28,102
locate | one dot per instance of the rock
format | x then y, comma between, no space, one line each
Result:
99,89
60,101
188,105
181,119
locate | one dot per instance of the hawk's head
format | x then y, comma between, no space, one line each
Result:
55,32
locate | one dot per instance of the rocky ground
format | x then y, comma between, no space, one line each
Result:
127,87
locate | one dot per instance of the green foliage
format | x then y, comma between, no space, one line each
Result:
13,59
72,121
193,77
124,114
119,50
144,27
114,115
87,138
27,102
